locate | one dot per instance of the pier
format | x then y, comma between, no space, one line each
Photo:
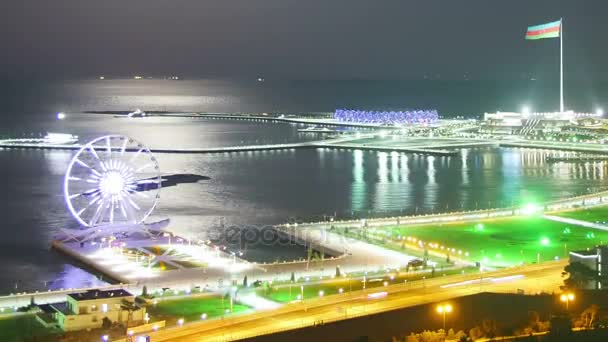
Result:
389,149
193,150
333,144
275,119
570,147
577,159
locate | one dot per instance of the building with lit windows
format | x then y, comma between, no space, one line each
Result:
89,309
527,123
596,259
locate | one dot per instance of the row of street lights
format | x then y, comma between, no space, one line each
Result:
446,308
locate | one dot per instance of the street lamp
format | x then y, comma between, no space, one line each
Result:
567,298
444,309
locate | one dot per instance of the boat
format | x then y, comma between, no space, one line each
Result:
60,138
315,129
137,113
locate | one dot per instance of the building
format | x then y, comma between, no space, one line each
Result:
596,259
407,117
528,123
90,309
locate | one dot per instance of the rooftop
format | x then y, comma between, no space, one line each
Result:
585,252
54,307
98,294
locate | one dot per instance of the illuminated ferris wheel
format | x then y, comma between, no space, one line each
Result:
112,180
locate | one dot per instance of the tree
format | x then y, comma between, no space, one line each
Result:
451,335
579,275
489,328
293,277
245,281
337,271
144,291
475,333
106,323
533,321
308,256
589,316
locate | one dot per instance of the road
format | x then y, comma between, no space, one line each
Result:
531,279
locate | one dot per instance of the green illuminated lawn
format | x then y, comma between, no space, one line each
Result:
595,214
507,241
191,309
21,328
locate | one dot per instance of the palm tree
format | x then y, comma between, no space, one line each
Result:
589,316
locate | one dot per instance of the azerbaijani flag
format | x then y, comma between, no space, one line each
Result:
550,30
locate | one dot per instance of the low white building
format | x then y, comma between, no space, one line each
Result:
525,123
596,260
90,309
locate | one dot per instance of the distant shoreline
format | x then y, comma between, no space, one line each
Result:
240,114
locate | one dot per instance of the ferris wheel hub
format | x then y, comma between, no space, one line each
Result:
112,183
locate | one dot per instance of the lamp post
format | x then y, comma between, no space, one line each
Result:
302,296
444,309
567,298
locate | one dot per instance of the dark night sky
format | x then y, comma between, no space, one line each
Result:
320,39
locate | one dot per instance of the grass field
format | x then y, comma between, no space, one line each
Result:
595,214
191,309
21,328
505,241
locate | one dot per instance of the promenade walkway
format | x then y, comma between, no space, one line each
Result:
562,146
576,222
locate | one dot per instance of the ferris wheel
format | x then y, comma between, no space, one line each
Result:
112,180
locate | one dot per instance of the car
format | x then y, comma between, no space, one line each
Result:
415,263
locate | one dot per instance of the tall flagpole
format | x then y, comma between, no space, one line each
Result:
561,65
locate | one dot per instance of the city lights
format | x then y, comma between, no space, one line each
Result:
386,117
567,298
444,309
530,209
